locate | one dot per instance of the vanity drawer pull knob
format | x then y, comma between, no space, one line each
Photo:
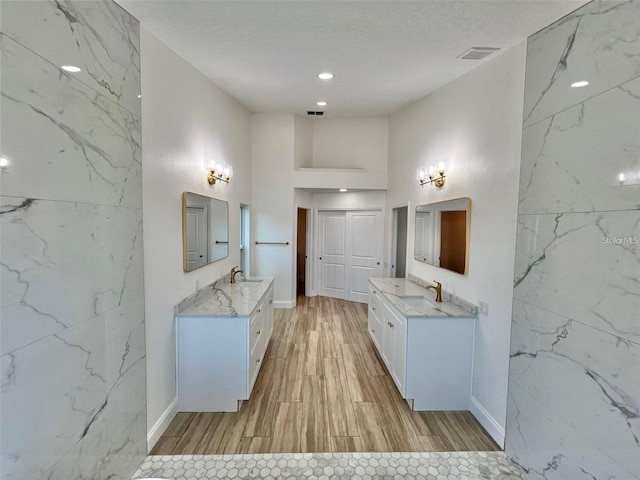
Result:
391,325
258,361
258,332
373,308
270,302
259,310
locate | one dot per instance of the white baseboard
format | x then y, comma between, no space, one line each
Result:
161,425
488,422
282,304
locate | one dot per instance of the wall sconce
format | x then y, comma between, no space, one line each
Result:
435,175
219,172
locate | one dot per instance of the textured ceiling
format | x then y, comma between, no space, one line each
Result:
385,54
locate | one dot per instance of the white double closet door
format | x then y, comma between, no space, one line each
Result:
349,253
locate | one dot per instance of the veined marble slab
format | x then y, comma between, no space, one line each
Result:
586,377
597,43
224,299
546,448
64,140
574,392
582,266
394,289
63,263
571,161
71,394
73,400
98,36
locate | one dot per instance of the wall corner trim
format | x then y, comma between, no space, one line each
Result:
161,425
487,421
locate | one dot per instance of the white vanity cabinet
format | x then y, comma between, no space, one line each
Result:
219,355
428,350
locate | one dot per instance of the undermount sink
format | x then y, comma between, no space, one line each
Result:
248,280
416,301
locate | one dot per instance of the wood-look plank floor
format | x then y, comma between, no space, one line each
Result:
322,388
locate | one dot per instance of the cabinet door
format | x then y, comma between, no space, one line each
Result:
269,316
375,324
375,327
387,337
399,352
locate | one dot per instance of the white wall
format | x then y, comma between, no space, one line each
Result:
475,122
349,200
273,212
186,118
351,143
282,143
303,142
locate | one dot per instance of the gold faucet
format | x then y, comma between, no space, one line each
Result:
438,289
234,272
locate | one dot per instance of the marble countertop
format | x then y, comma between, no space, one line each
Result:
412,300
224,299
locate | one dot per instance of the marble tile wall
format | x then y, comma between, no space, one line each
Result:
73,400
574,382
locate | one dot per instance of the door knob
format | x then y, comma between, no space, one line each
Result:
377,263
320,258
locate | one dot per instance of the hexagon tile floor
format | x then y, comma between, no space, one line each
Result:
325,466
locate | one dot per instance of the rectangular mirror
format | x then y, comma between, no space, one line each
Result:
205,230
442,234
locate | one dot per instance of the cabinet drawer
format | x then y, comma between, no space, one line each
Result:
255,361
256,327
373,293
375,304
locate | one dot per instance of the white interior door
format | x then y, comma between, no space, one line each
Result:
197,237
332,254
363,252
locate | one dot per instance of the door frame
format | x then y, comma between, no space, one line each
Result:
393,237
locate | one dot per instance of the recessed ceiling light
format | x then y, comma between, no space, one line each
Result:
321,103
70,68
582,83
325,76
343,189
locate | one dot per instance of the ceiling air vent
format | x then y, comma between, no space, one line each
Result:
315,113
477,53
